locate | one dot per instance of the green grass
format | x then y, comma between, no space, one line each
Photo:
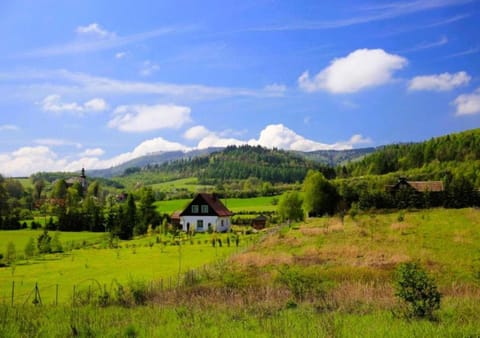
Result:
353,262
188,184
192,321
21,237
140,259
237,205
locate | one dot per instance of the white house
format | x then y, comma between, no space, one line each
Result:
205,212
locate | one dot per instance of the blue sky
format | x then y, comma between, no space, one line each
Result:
92,84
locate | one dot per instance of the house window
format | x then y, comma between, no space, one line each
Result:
204,209
200,224
222,223
194,209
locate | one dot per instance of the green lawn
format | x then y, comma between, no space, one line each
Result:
237,205
188,184
21,237
349,265
140,259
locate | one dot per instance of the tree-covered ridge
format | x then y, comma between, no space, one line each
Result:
242,162
459,147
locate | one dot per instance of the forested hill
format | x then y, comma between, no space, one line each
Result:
337,157
452,148
235,163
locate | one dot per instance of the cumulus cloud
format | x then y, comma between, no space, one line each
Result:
468,104
360,69
279,136
272,136
140,118
91,160
27,160
440,82
94,29
53,103
196,133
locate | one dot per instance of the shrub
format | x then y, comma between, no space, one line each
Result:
301,283
417,290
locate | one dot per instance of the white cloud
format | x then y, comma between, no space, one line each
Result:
440,82
94,29
93,152
73,84
53,103
8,127
360,69
28,160
140,118
148,68
272,136
468,104
426,45
120,55
151,146
279,136
95,105
108,40
196,133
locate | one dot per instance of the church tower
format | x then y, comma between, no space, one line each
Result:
83,179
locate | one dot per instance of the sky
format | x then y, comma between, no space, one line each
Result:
96,83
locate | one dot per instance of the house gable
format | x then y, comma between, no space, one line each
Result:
418,186
206,205
204,213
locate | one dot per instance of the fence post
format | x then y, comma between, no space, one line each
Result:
13,291
56,295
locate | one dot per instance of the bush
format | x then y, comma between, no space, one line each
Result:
417,290
302,283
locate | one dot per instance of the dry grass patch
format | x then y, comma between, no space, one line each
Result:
310,256
260,259
313,232
401,226
384,260
352,296
462,237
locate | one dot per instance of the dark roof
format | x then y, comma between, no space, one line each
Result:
420,186
424,186
213,202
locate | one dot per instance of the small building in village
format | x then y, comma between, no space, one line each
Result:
204,213
259,222
416,186
82,179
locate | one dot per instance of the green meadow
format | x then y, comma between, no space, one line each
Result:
237,205
324,277
20,237
188,184
142,259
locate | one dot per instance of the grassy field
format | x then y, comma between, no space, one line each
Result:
237,205
187,184
20,237
319,278
141,259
